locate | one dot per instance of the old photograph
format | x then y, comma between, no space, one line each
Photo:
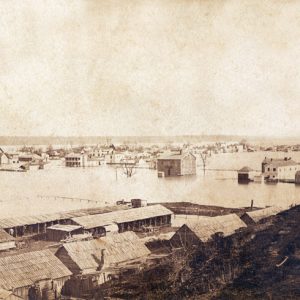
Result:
149,149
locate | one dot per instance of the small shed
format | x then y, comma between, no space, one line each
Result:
60,232
260,215
138,203
6,241
245,175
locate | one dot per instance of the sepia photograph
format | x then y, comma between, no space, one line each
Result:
150,150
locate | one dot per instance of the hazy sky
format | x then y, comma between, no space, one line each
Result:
139,67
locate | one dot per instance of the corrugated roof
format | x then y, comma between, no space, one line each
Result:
62,227
260,214
25,269
206,227
122,216
5,237
117,248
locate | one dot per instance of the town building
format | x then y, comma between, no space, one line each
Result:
80,160
33,275
135,219
75,160
270,167
96,261
177,164
287,173
199,231
260,215
6,241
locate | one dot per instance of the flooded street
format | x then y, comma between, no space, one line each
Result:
106,185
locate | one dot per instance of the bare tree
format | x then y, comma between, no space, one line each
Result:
203,156
129,169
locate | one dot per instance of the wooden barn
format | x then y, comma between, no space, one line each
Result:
96,261
177,164
260,215
195,232
6,241
37,274
60,232
135,219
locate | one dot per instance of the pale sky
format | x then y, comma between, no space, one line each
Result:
150,67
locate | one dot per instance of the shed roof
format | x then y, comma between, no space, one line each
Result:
206,227
38,219
260,214
245,170
117,248
122,216
66,228
5,237
27,268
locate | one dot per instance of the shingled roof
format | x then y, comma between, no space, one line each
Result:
25,269
205,228
117,248
260,214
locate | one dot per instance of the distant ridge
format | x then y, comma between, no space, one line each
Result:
72,140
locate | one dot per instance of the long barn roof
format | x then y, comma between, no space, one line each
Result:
25,269
122,216
39,219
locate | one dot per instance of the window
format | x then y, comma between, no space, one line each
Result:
274,169
269,169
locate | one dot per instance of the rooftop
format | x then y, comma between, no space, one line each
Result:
25,269
260,214
206,227
122,216
117,248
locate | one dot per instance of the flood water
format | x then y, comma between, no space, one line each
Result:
33,192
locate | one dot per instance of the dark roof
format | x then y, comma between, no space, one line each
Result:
245,170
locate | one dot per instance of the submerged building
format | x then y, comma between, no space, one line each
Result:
177,164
